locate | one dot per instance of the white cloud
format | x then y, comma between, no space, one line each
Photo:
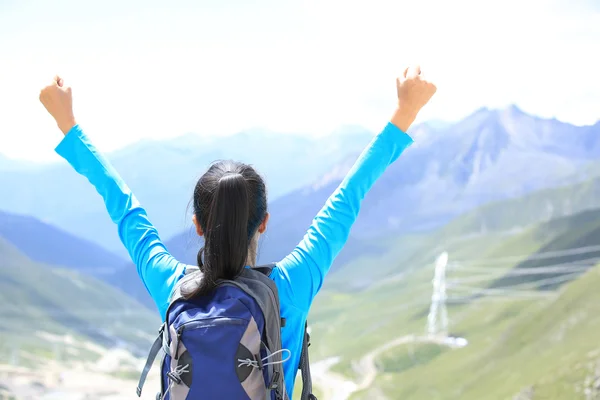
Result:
140,71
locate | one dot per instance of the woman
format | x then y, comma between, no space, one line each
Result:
232,196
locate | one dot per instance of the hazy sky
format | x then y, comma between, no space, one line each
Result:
158,69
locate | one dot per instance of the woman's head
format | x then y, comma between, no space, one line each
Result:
230,211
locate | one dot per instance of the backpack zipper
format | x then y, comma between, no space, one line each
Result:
209,322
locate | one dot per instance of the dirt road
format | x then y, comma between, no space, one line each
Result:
337,387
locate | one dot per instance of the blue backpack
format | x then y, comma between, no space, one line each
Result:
226,345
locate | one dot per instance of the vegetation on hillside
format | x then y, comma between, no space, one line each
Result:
536,347
41,306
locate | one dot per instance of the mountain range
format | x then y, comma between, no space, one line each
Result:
47,245
498,217
451,168
401,202
492,155
57,195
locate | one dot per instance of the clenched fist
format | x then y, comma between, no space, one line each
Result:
414,91
58,101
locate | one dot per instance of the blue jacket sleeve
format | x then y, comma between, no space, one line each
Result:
156,267
302,272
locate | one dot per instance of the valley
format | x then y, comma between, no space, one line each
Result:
531,306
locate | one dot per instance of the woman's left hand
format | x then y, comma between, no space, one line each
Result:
58,101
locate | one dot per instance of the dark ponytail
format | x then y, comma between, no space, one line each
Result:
229,203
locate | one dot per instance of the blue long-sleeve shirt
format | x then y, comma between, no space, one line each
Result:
298,277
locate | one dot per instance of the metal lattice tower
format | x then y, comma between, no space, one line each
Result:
438,299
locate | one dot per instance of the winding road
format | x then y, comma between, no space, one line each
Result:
334,386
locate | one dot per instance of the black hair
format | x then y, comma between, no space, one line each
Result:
230,203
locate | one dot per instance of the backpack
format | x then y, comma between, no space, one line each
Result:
226,345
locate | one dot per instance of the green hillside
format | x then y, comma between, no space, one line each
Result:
580,232
535,207
468,233
41,307
505,355
547,348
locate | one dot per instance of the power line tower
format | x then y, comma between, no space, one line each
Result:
438,299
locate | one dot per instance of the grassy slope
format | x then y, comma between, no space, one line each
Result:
533,208
351,323
35,298
492,221
549,345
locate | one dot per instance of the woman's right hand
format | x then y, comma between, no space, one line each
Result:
58,101
414,91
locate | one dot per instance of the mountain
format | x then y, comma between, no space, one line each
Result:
290,217
46,244
163,175
491,155
40,302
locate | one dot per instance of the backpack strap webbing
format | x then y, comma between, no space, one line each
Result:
156,347
305,368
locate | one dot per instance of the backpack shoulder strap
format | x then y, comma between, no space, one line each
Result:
162,341
304,359
192,272
257,284
264,269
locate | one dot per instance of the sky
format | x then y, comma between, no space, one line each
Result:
147,69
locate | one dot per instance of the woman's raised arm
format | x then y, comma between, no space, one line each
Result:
156,267
302,272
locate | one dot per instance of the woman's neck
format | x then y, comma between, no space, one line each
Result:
253,252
